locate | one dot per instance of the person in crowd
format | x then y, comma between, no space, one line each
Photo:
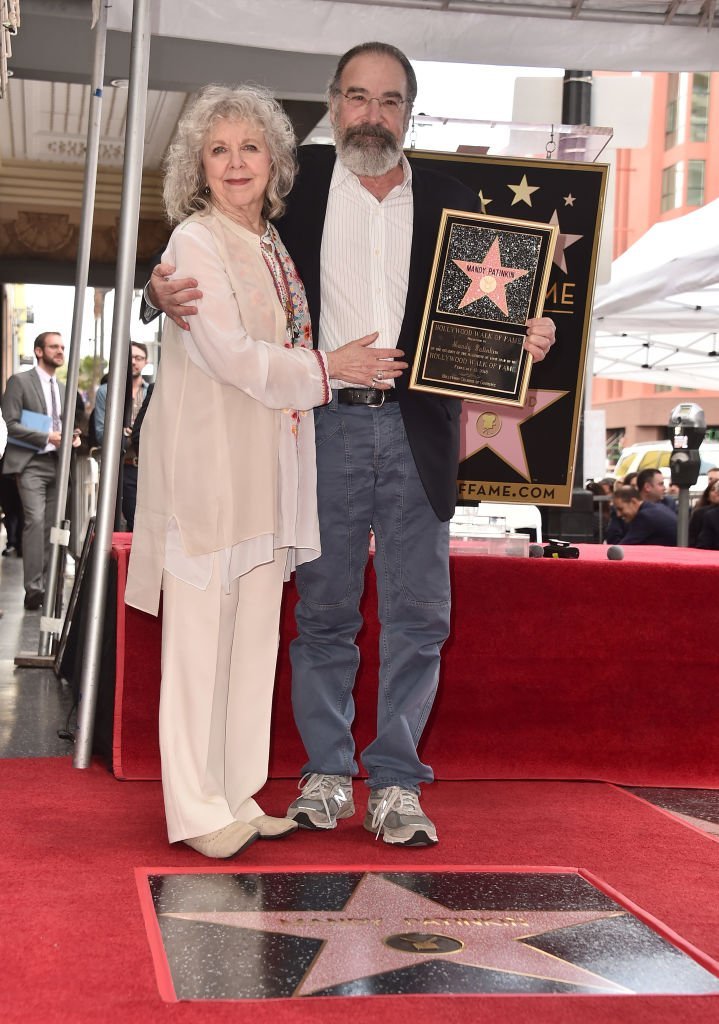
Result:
651,486
134,400
712,477
601,490
3,442
616,527
709,531
227,499
647,522
32,406
12,518
9,503
709,500
361,226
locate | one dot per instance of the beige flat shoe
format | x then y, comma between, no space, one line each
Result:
225,842
273,828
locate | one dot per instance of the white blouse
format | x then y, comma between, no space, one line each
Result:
214,342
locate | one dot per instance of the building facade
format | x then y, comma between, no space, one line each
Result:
677,171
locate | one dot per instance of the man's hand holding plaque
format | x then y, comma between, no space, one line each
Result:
482,323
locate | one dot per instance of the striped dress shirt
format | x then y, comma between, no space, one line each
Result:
364,262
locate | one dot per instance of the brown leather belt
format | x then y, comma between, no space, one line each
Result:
372,397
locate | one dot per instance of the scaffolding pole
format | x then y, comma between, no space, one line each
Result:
119,348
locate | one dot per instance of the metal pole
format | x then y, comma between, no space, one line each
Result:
683,518
119,348
59,537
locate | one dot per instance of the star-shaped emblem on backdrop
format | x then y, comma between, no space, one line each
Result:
385,927
569,200
562,244
523,191
487,427
484,203
489,279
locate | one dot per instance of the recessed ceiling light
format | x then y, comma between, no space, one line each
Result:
120,83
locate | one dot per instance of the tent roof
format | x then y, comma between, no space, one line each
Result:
659,316
621,35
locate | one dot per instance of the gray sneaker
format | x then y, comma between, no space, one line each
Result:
395,814
325,799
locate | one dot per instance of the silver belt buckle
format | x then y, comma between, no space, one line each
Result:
377,405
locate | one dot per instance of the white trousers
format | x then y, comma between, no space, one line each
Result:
219,655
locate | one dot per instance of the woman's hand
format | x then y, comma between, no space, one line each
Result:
540,337
357,363
171,296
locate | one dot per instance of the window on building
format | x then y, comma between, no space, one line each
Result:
672,187
699,120
670,122
658,388
695,183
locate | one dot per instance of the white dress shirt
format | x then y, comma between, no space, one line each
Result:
364,262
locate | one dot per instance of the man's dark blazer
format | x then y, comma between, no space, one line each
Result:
654,523
24,391
431,421
709,534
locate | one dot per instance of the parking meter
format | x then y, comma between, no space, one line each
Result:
687,427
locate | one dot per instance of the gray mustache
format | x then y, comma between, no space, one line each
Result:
370,131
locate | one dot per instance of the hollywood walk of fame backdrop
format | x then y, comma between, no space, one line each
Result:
217,934
526,454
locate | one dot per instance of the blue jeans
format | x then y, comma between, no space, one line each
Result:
366,477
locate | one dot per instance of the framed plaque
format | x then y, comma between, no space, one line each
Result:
489,276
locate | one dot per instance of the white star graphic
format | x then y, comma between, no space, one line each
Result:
523,191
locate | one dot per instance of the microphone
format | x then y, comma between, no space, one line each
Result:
615,553
536,551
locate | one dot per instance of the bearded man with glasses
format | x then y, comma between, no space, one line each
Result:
361,226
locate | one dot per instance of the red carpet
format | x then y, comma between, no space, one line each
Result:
584,669
75,949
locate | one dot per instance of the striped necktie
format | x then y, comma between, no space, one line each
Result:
55,406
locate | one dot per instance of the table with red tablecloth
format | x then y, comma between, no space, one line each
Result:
583,668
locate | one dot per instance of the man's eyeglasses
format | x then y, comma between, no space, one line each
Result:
358,101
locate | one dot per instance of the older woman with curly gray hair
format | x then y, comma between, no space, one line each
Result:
226,502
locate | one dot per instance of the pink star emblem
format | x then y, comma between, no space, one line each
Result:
488,278
499,429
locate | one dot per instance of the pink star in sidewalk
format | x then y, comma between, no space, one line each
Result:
384,927
497,427
488,278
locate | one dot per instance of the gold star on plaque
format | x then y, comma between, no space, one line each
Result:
484,203
569,200
523,191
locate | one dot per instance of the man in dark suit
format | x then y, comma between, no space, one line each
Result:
361,225
648,522
31,455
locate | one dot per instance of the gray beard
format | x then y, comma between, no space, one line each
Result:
368,153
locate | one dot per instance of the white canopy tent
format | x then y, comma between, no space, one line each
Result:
658,319
606,35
